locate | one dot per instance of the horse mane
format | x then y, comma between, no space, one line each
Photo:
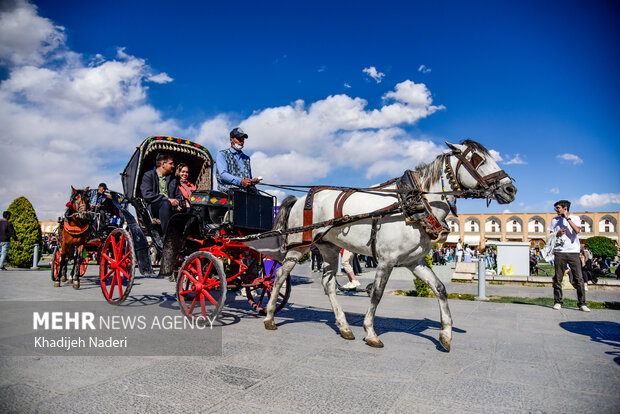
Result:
430,173
475,145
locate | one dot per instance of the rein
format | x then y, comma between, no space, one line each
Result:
406,198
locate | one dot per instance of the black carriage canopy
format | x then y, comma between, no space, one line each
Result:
197,158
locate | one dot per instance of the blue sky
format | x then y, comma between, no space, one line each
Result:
347,93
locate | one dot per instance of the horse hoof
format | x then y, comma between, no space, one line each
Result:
63,279
270,325
347,333
56,284
70,280
374,342
445,341
76,285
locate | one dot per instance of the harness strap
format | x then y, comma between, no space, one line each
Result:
373,237
74,230
485,181
339,204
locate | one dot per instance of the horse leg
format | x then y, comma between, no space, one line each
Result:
64,259
330,264
381,277
75,273
61,268
292,256
426,274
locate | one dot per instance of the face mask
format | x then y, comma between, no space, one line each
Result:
237,146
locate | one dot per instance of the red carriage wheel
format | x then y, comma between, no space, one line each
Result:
83,265
55,263
201,286
258,296
116,268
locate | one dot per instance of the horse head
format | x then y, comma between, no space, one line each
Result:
80,202
474,168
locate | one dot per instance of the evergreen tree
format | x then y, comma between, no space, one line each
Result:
28,231
601,246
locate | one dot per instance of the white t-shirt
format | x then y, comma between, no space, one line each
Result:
569,242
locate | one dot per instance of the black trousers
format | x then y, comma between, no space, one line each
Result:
162,210
317,259
571,259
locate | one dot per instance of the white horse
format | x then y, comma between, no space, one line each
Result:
469,166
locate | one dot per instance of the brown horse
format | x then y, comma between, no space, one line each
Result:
73,235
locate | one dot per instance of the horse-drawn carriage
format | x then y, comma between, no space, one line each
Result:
81,232
196,250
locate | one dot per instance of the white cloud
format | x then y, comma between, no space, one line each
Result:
321,69
64,119
160,78
555,190
346,85
570,158
67,120
30,46
506,211
496,155
598,200
516,160
372,72
424,69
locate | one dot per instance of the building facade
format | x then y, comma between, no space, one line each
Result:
48,227
478,230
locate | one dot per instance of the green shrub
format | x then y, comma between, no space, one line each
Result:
601,246
421,288
28,231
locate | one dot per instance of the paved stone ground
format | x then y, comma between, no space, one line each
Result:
505,358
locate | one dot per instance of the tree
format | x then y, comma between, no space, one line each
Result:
28,231
601,246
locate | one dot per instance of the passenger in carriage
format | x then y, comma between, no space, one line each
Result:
185,186
233,166
160,190
101,203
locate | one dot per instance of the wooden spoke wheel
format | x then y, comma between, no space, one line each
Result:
201,287
116,268
83,263
55,264
259,296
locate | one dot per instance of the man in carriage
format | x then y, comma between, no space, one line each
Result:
160,190
233,168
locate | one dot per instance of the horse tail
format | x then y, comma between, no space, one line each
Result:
284,212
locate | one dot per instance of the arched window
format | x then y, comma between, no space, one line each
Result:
536,224
472,225
514,225
454,225
607,224
492,225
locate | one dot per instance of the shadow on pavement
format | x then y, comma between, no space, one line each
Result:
604,332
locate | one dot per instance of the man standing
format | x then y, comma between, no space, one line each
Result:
459,250
160,189
233,166
7,232
566,227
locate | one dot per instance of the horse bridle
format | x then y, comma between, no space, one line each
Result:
71,204
489,182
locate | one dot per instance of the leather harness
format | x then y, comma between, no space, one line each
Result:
411,198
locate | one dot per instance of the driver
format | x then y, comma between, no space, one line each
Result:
233,166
